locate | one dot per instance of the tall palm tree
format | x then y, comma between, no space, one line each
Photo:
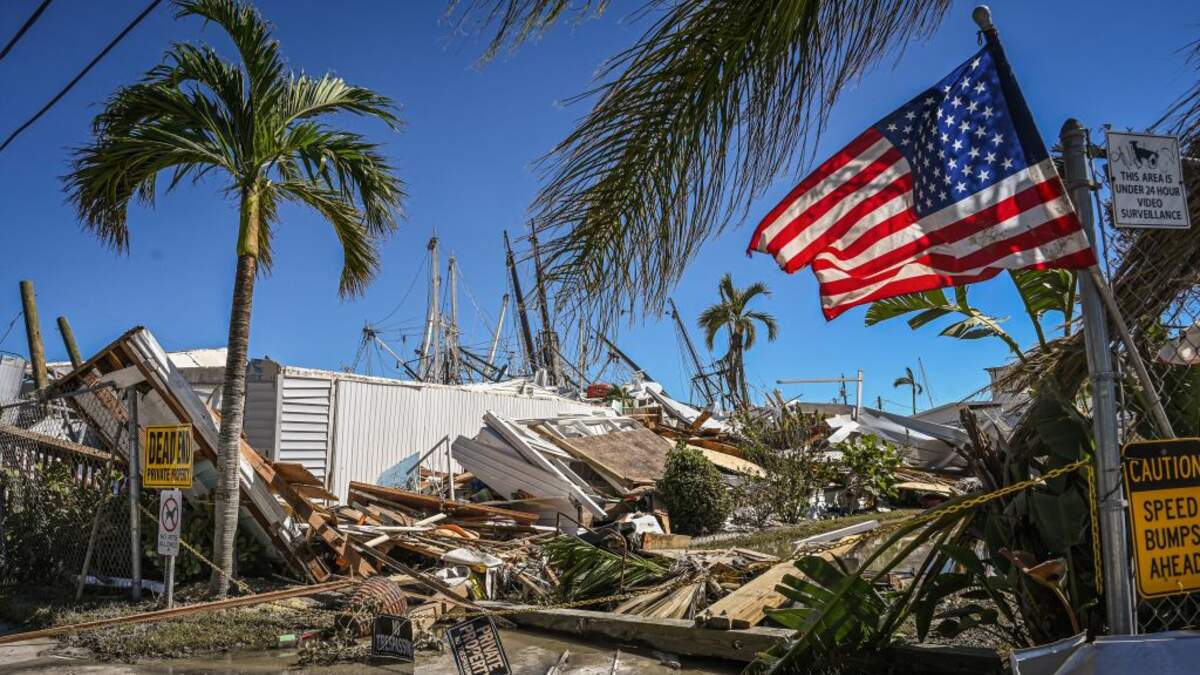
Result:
715,101
910,381
265,131
732,314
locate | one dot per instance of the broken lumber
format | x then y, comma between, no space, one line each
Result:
435,504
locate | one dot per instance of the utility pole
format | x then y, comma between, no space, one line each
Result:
452,343
68,336
431,313
33,334
549,335
526,333
687,341
583,356
491,357
1118,590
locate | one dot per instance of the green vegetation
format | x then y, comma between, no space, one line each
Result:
694,491
586,571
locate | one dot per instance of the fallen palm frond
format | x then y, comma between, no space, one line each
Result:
586,571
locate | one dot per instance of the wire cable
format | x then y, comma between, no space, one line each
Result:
77,78
10,326
37,13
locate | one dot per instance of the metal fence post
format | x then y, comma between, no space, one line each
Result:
1118,589
135,480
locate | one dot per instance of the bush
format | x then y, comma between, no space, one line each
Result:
872,464
694,491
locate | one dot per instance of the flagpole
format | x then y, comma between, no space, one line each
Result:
1118,589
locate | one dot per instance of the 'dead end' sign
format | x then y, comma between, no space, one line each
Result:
1162,479
476,646
167,457
392,637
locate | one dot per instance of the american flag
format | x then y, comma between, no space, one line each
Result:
950,189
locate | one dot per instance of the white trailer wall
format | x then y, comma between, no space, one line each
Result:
380,423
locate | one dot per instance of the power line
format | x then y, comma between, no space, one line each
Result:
77,78
21,31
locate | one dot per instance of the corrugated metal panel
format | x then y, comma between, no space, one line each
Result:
12,372
262,406
304,421
380,424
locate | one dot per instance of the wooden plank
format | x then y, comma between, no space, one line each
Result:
746,606
655,542
296,473
60,444
637,457
434,504
676,636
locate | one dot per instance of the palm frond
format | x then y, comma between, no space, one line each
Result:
517,21
931,305
308,97
715,102
251,35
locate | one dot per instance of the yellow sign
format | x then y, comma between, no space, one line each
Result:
167,457
1162,479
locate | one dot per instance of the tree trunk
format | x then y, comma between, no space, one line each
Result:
233,404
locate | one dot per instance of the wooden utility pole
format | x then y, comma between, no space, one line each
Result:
68,336
33,332
526,333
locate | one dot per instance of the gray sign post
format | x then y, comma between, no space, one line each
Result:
1118,588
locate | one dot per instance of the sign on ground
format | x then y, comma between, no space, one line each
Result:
392,637
170,521
1146,176
168,457
476,646
1162,479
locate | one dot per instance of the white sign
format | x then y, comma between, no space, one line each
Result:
170,520
1147,181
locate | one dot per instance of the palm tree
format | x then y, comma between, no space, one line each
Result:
265,132
715,101
909,380
733,316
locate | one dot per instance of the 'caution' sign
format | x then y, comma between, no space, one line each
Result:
167,459
1162,479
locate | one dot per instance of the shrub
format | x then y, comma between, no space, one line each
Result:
872,464
696,496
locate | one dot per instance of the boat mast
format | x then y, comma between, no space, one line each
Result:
526,333
687,341
452,342
425,365
491,358
549,335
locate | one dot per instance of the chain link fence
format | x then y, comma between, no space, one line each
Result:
1155,275
63,500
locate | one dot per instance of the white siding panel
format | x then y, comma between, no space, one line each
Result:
381,424
304,419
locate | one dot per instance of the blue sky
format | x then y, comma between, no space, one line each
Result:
467,153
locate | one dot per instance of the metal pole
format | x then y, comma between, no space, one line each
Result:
68,337
171,581
526,334
33,333
1118,590
452,345
858,394
491,357
135,481
427,339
